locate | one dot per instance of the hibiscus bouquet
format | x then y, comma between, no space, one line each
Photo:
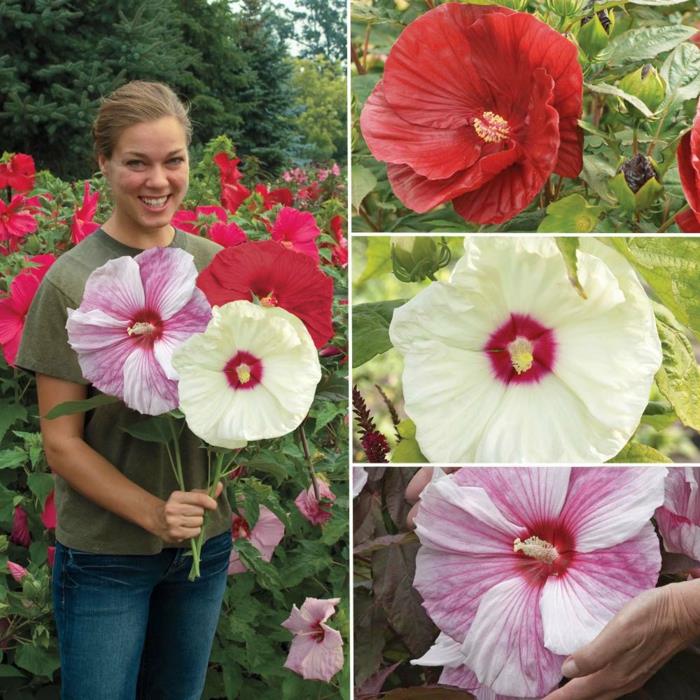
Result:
524,115
529,350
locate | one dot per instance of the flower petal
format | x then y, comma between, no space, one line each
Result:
116,288
146,388
315,660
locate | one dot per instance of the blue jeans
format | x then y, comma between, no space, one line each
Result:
133,626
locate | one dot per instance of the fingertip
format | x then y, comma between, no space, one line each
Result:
570,669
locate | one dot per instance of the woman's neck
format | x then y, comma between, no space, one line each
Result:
135,237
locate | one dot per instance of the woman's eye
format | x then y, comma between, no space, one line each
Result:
176,161
134,163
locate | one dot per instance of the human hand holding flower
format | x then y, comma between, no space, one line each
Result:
181,517
648,631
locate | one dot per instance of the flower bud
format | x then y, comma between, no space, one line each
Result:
646,84
595,31
518,5
636,184
415,258
565,8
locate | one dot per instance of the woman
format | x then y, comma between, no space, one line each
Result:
129,622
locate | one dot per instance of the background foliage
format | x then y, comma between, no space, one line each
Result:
670,268
617,125
232,63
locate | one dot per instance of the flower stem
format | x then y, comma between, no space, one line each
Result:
305,449
669,221
177,464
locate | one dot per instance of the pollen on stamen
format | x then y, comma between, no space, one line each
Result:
141,328
268,300
491,127
536,548
521,356
243,373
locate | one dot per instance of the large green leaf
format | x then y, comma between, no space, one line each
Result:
10,413
681,71
40,485
363,182
69,407
605,89
636,452
641,44
378,258
370,329
155,429
678,379
38,661
568,247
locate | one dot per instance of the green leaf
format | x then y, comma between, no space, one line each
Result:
568,246
40,485
10,413
570,214
658,3
635,452
605,89
67,408
641,44
10,459
363,182
38,661
408,452
154,429
370,329
681,71
362,86
678,379
378,257
7,671
7,504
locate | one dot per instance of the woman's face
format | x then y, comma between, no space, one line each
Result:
148,174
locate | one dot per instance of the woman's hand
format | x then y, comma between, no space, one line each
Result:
647,632
181,517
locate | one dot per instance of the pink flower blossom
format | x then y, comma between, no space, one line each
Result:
679,517
18,173
16,571
296,230
335,170
212,221
317,512
339,255
266,534
20,528
48,515
14,307
134,313
83,224
17,218
51,555
316,652
522,566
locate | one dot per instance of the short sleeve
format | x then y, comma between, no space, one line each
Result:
44,347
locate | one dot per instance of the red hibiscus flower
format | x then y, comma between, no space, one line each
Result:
212,221
232,196
14,307
17,218
277,277
48,515
296,230
340,249
689,169
310,193
271,198
233,192
18,173
478,105
83,224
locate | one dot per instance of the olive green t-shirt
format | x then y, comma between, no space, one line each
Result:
83,524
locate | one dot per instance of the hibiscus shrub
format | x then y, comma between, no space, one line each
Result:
535,350
526,115
288,546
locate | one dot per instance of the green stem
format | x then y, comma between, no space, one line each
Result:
176,449
312,474
667,224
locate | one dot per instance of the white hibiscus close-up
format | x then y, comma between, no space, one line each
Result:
507,362
251,375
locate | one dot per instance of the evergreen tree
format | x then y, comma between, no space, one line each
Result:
321,28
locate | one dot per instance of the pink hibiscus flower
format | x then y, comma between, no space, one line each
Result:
51,555
20,528
265,536
17,219
14,307
679,517
317,512
522,566
18,173
217,227
134,313
48,515
316,652
296,230
83,224
17,571
339,255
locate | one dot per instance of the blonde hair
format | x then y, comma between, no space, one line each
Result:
134,103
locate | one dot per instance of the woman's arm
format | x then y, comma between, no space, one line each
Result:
174,520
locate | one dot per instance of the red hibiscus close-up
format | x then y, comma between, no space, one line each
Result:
17,219
14,307
689,169
277,276
477,105
296,230
83,224
233,191
18,173
281,195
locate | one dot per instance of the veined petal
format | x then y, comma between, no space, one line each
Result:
577,605
316,660
115,287
680,535
504,646
624,499
146,387
689,177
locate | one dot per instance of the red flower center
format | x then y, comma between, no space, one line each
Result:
244,370
491,127
240,528
318,633
521,350
545,549
269,300
146,327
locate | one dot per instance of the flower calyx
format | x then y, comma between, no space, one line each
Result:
415,258
636,185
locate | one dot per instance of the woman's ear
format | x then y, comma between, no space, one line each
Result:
102,163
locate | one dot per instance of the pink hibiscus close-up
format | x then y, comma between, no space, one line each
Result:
17,571
18,218
134,313
14,307
19,534
523,566
265,535
316,511
18,173
297,230
83,224
679,517
316,652
48,515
